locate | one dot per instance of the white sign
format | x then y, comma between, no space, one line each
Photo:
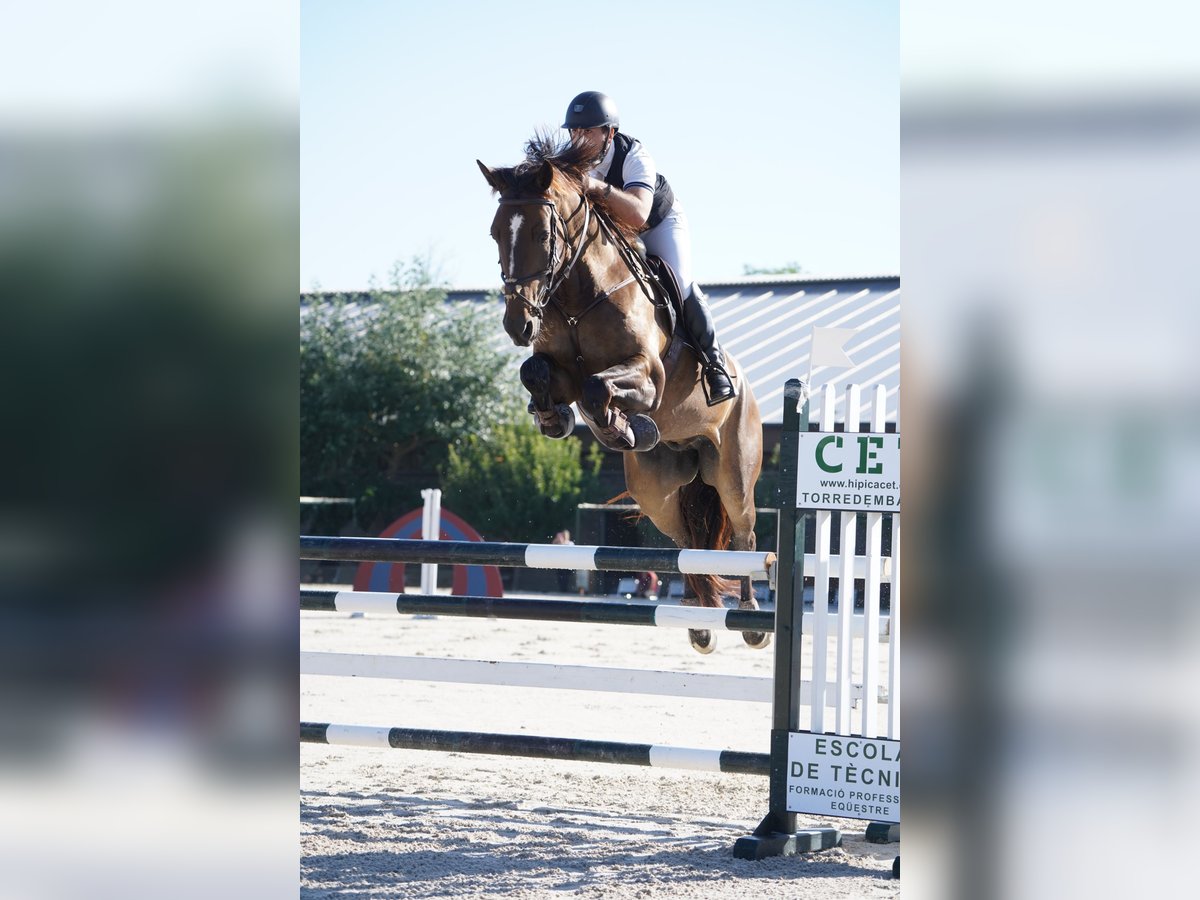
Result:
848,777
849,470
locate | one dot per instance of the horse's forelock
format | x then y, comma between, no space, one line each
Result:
563,155
570,166
542,147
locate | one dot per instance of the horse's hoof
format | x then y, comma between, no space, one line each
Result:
645,432
756,640
566,420
558,423
702,641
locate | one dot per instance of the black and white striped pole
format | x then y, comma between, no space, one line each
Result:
591,612
535,746
733,563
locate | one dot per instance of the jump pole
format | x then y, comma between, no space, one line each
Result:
655,755
598,612
735,563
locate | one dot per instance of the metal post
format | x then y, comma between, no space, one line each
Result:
777,834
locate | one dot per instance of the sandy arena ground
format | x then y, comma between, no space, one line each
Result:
395,823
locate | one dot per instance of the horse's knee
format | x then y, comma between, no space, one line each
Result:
595,398
535,374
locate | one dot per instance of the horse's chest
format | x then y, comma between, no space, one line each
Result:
588,347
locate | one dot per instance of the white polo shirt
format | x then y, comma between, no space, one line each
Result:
638,171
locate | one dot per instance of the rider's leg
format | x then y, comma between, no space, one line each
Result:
671,240
698,321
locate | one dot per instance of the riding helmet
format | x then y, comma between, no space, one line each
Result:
591,109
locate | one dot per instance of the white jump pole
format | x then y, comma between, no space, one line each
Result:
431,529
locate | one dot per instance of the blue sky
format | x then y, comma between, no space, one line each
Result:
777,124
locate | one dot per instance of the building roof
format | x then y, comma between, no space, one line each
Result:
767,322
768,326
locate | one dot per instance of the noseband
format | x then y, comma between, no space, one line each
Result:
551,279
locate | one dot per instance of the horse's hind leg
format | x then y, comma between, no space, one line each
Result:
733,471
755,639
758,640
544,381
654,480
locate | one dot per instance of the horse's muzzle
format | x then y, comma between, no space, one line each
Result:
522,327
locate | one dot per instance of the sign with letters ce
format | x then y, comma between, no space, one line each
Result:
849,470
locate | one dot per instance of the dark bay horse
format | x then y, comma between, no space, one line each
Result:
601,337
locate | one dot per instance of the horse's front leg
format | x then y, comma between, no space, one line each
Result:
615,401
549,395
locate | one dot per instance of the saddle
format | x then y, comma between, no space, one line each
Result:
666,285
670,298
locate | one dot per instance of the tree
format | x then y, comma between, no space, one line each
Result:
517,484
791,268
388,385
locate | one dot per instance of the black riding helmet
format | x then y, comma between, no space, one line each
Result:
591,109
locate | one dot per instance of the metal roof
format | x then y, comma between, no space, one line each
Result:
768,327
766,322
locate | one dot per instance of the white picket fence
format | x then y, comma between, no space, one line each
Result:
841,655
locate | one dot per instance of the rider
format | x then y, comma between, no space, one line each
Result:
625,174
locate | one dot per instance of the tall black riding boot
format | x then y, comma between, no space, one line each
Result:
699,324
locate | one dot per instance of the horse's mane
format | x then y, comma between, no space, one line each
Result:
570,164
563,155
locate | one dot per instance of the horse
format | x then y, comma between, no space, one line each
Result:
578,295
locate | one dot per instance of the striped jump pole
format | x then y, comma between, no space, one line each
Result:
655,755
732,563
659,615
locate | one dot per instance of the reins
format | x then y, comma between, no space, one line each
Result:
635,274
555,274
557,270
629,256
552,280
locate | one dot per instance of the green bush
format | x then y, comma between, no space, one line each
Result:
399,391
517,485
388,382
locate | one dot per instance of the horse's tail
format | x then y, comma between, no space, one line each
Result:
708,528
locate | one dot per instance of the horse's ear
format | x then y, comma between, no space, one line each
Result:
545,177
490,174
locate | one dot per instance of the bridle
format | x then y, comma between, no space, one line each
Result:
554,274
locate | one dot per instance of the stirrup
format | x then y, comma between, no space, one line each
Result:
708,395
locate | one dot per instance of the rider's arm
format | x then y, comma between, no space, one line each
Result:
631,206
